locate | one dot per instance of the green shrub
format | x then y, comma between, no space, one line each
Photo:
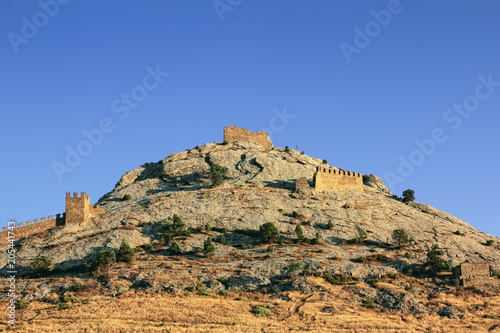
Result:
407,255
489,242
223,292
148,246
459,233
208,247
261,310
222,239
270,248
126,253
300,233
269,233
340,280
400,238
225,142
174,247
127,197
362,236
208,227
369,303
218,175
295,214
223,280
41,263
296,266
105,259
408,195
287,149
435,261
239,298
176,228
325,162
331,225
491,316
77,287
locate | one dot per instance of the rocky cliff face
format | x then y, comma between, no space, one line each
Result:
259,189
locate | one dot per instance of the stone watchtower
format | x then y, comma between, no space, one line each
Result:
79,209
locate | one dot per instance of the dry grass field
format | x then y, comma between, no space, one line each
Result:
290,312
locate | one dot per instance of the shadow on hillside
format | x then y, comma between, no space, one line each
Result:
287,185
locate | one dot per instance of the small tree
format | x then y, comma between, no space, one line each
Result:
435,262
331,225
325,162
208,247
408,195
126,253
400,238
218,174
208,227
362,236
222,239
21,306
287,149
269,233
174,247
105,259
300,233
41,263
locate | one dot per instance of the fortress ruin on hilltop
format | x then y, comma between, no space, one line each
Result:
475,274
233,134
78,210
324,179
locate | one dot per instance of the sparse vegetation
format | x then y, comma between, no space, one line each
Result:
261,310
369,303
41,263
340,279
300,233
459,233
408,195
435,262
400,238
269,233
218,175
174,247
208,247
362,236
126,253
105,259
330,225
175,229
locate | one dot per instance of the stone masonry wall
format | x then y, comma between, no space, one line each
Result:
475,274
23,230
337,180
233,134
77,208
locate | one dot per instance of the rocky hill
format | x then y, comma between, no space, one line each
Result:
260,188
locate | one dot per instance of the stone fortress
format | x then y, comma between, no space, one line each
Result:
325,179
78,210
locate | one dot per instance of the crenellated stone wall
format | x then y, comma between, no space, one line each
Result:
326,179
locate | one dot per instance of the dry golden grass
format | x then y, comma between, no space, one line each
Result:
138,312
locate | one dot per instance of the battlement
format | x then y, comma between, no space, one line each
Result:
233,134
326,179
78,210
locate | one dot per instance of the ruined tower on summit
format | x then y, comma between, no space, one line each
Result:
233,134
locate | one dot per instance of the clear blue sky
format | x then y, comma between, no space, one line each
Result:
363,81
